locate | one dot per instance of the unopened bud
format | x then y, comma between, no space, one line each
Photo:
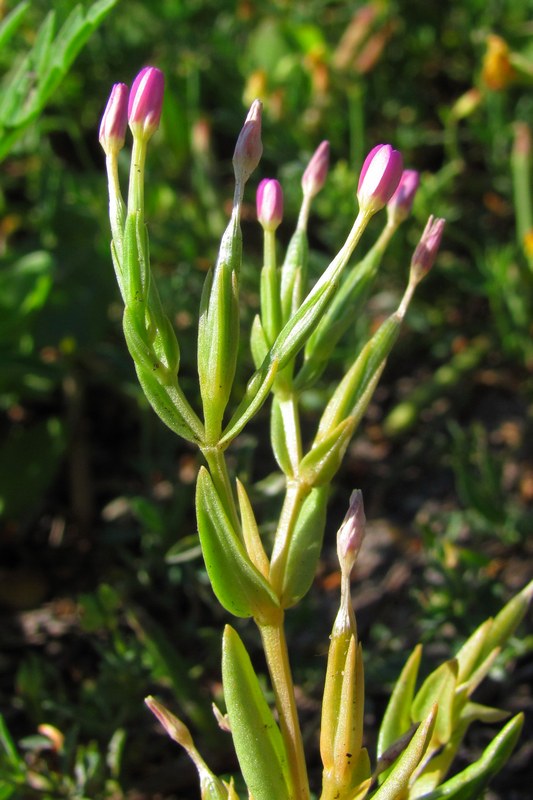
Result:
269,200
400,205
146,102
114,120
379,178
316,171
249,147
427,248
351,532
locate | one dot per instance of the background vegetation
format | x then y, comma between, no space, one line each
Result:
103,595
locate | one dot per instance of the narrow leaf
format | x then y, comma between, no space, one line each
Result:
439,687
256,736
471,782
397,718
250,532
11,23
395,785
237,583
304,547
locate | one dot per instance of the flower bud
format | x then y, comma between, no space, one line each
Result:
401,202
379,178
316,171
115,120
427,248
146,102
269,201
351,532
249,147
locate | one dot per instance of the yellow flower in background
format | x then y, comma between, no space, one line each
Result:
497,71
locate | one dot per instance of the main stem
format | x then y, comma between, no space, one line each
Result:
275,647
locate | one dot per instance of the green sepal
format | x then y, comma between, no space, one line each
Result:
256,393
471,782
319,466
293,274
278,439
439,687
256,736
258,342
218,330
397,718
237,583
354,392
394,787
304,547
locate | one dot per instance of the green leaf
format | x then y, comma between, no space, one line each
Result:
471,782
395,785
250,532
468,656
256,736
278,438
397,718
506,622
319,466
237,583
11,23
439,687
256,393
304,547
258,342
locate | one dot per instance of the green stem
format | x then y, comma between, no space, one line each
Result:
291,425
275,647
136,184
219,473
270,289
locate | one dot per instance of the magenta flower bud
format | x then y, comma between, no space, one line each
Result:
269,200
379,178
316,171
351,532
401,202
428,246
146,102
249,147
115,120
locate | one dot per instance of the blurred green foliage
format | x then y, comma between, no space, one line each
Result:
95,497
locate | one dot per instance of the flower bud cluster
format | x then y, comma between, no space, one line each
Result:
140,107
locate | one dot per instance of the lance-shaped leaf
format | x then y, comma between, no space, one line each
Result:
237,583
318,467
256,393
250,532
278,438
397,718
508,619
471,782
159,385
395,785
256,736
304,547
439,687
218,329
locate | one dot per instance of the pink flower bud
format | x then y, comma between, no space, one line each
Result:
401,202
379,178
428,246
351,532
146,102
249,147
316,171
115,120
269,200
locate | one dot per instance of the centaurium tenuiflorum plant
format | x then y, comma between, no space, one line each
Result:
292,339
